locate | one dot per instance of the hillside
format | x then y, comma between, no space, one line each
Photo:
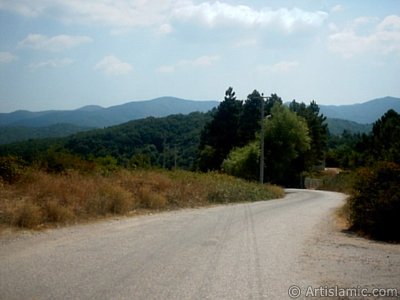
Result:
166,141
363,113
11,134
97,116
337,126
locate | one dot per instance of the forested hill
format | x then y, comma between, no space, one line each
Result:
337,126
97,116
164,142
11,134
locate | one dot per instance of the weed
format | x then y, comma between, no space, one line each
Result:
50,198
29,215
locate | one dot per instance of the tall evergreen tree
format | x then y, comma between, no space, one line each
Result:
270,102
220,135
386,137
250,118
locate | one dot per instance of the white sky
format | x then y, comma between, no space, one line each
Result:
64,54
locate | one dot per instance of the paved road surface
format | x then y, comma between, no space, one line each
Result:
243,251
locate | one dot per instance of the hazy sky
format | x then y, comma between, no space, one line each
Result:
69,53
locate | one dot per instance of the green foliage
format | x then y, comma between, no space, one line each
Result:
250,116
345,150
375,203
249,122
12,134
386,137
355,150
152,142
234,124
337,126
317,129
286,139
107,164
220,135
31,151
243,162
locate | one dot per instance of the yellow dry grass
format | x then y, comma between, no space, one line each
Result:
40,198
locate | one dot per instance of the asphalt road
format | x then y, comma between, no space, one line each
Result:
242,251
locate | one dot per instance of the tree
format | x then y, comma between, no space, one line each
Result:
220,135
318,131
286,139
270,102
243,162
249,122
386,137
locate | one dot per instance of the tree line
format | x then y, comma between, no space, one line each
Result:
295,138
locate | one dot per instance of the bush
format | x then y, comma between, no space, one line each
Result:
375,203
56,213
243,162
10,169
29,215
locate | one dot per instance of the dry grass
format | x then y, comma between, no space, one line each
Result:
40,198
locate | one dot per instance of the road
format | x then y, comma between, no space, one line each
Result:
241,251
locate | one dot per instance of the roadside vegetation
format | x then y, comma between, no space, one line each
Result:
33,198
121,169
372,179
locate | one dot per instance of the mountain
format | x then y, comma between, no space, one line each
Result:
364,113
91,108
337,126
23,124
97,116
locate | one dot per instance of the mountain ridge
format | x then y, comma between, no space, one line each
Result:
363,113
23,124
97,116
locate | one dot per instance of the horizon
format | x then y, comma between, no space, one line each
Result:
66,55
195,100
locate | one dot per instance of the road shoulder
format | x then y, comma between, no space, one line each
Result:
337,257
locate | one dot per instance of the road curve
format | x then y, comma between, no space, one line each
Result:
242,251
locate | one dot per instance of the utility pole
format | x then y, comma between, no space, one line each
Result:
262,141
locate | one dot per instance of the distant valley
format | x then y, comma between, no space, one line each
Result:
22,125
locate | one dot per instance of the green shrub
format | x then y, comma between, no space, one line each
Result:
243,162
375,203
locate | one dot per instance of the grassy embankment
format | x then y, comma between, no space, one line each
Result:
39,199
